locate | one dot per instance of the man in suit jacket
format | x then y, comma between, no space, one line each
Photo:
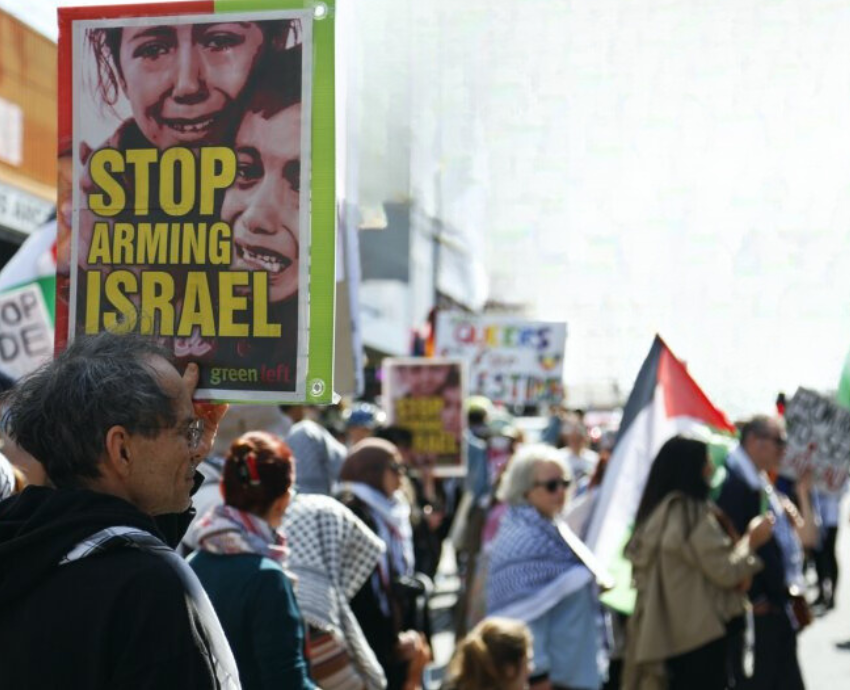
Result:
746,494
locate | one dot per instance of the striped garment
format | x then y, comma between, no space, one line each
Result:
333,554
330,665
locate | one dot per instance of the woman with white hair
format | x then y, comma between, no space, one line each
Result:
534,576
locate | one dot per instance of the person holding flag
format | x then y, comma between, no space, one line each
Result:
746,494
689,573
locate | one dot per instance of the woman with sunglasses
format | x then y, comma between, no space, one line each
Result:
240,562
535,577
691,575
385,604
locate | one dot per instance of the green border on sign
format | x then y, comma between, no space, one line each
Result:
319,381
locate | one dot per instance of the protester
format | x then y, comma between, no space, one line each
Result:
385,606
471,512
240,561
581,459
826,562
320,455
689,574
747,493
361,421
495,655
333,553
85,570
426,497
534,576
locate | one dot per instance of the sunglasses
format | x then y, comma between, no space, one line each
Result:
552,485
778,440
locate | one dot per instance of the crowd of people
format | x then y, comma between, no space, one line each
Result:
170,543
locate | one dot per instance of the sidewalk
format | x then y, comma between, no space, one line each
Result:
824,649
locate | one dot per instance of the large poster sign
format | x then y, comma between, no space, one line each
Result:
194,216
511,360
426,397
818,439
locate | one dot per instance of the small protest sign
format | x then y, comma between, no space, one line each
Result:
511,360
196,154
818,439
26,331
425,396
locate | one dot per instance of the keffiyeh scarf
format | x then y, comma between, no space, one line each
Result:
333,555
227,530
531,568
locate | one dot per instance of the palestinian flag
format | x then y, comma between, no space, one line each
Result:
665,401
27,304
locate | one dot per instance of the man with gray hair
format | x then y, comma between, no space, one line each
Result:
91,594
746,494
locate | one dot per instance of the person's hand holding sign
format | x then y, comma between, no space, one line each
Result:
210,413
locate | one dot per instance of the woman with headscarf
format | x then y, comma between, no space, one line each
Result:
240,561
534,576
690,576
333,554
371,477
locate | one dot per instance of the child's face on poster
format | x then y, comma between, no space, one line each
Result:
183,82
262,206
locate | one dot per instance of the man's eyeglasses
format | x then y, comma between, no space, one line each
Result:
195,432
398,468
552,485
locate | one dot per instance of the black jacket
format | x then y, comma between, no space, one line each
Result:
742,503
119,619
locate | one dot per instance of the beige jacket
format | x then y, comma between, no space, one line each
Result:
687,574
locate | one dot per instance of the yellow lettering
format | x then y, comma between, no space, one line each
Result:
99,250
92,321
169,185
122,243
152,243
118,284
229,302
218,171
194,243
262,327
157,297
141,159
197,306
101,164
220,246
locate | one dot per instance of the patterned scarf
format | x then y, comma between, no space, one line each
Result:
392,518
333,555
228,530
529,559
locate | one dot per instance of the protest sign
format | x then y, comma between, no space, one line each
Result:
26,331
818,439
196,156
426,397
510,360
